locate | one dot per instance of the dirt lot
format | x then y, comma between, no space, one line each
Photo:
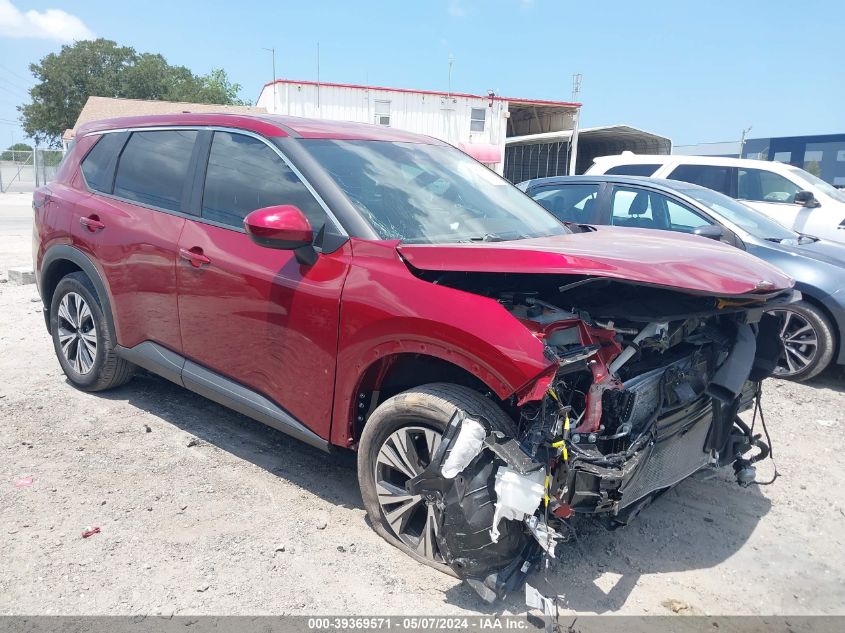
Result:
203,511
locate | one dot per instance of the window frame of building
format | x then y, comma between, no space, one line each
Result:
381,117
475,120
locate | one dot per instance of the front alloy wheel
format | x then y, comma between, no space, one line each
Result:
808,341
403,456
77,333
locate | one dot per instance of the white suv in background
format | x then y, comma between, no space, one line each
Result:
788,194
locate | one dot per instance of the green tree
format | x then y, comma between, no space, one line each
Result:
17,147
103,68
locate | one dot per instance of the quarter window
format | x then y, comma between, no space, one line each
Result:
761,185
245,174
382,110
632,170
569,203
478,117
97,167
713,177
153,168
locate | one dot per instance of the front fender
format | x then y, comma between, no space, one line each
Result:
386,310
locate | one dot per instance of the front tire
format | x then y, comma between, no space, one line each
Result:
397,444
808,341
81,337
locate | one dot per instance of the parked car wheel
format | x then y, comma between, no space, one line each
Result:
808,342
81,337
397,444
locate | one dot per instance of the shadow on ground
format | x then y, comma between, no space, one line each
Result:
832,378
330,476
702,522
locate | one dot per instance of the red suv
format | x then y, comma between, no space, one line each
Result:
361,287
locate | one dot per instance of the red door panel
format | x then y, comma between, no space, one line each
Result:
256,316
136,250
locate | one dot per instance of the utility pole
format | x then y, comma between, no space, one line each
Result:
273,53
449,85
318,75
573,141
742,140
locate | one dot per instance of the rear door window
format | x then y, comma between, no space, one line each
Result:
153,168
245,174
98,165
570,203
714,177
632,170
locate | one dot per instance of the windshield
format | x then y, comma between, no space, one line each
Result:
822,185
429,194
743,216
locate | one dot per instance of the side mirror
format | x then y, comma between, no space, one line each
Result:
710,231
807,199
283,227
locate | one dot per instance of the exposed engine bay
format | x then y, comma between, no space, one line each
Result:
644,389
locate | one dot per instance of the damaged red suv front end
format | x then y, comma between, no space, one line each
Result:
654,345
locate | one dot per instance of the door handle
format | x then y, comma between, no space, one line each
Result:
92,223
195,256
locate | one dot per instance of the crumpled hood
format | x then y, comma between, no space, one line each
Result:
660,258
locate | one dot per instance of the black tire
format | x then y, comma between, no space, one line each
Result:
430,406
820,354
107,370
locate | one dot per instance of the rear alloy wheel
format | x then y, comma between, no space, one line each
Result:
808,342
81,336
76,333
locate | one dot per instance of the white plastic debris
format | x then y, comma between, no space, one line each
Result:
535,600
464,448
517,496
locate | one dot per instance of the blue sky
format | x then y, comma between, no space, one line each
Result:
694,71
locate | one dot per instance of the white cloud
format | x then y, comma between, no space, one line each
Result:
456,9
50,24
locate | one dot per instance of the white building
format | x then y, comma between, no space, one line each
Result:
520,138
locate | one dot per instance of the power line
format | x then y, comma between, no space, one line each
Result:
26,86
12,72
11,92
14,84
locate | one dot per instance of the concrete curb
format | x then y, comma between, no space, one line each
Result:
21,276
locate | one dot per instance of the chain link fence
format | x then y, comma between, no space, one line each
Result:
24,171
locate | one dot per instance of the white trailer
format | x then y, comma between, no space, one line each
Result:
478,124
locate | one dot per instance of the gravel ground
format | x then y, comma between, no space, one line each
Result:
15,230
203,511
